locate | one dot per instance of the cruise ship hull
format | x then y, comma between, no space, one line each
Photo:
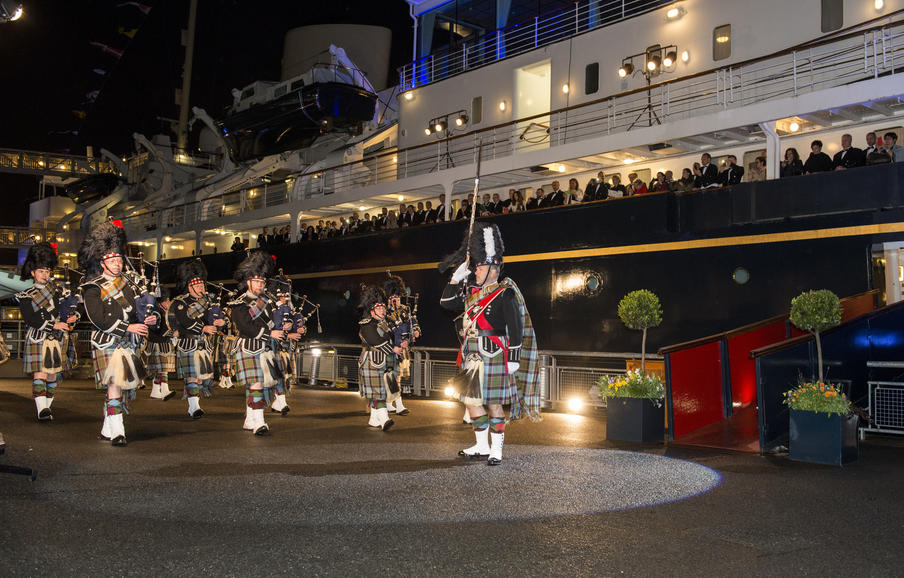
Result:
575,263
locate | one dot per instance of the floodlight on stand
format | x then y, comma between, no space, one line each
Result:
440,126
653,62
428,131
461,119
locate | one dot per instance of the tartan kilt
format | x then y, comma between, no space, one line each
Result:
101,360
185,363
497,386
248,367
370,378
160,358
31,356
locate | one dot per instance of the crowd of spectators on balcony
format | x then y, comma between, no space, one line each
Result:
702,175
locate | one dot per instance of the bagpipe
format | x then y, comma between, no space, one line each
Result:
68,301
145,297
288,313
215,310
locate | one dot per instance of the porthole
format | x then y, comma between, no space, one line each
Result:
740,275
593,284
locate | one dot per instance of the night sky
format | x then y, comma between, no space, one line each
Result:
48,71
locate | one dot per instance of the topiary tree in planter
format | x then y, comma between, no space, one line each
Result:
816,311
640,310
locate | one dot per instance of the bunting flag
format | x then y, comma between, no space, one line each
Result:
143,7
130,32
114,52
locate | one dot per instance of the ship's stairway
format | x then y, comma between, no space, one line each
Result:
51,164
716,391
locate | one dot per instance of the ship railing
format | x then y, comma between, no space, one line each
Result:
564,375
22,237
843,60
41,163
521,37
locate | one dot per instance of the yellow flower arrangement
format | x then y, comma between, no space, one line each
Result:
818,396
633,384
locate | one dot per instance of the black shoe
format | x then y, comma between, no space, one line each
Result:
264,430
464,454
119,441
169,395
45,415
403,412
197,413
389,423
282,411
494,462
103,437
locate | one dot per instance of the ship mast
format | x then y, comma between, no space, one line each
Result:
182,129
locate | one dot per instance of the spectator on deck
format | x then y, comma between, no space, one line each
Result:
848,157
658,185
791,166
669,180
685,183
616,189
892,147
574,194
757,172
392,222
818,161
555,198
441,210
237,244
420,214
517,203
596,188
732,173
536,201
639,188
465,211
262,238
706,174
870,145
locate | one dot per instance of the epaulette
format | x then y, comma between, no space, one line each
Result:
26,293
366,320
96,281
242,299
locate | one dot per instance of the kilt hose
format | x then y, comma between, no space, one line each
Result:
497,386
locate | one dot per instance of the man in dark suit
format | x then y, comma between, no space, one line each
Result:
262,238
596,189
441,210
420,215
849,156
536,201
555,197
495,206
732,173
705,173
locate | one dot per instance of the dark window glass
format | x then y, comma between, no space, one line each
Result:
832,15
592,78
722,42
476,109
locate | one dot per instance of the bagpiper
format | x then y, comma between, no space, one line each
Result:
257,362
192,317
47,337
161,360
498,355
405,328
112,302
293,322
377,377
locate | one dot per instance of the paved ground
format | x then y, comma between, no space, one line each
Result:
324,495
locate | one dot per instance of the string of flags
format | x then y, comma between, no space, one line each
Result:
110,48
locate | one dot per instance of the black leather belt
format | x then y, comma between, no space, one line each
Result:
490,333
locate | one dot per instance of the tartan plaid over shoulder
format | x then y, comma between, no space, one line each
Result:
528,375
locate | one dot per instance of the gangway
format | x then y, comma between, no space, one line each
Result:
712,394
45,164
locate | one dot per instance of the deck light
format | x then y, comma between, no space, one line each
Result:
409,95
565,88
450,392
794,127
575,404
428,131
461,120
440,126
879,4
685,56
625,69
502,105
669,59
401,198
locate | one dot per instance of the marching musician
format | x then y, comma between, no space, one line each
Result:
159,350
224,342
498,355
47,338
405,328
257,364
191,318
377,376
114,305
281,287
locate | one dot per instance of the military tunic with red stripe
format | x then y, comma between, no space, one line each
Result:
493,331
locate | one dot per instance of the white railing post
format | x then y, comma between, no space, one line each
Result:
875,56
794,70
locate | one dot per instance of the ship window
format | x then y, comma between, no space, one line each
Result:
832,15
297,84
476,110
280,90
740,275
722,42
592,78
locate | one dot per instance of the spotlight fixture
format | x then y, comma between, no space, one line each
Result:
669,59
10,10
675,13
440,126
441,123
626,69
653,62
428,131
794,127
409,95
461,119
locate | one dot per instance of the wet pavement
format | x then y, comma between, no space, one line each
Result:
326,495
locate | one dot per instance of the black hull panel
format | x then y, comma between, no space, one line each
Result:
685,248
